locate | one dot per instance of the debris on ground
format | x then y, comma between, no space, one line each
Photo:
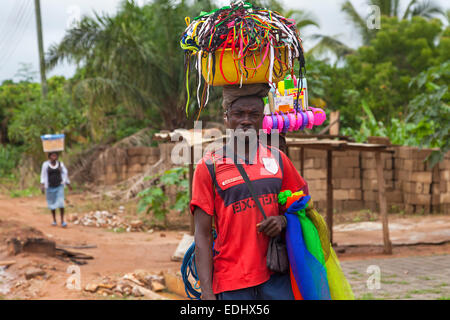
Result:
31,273
183,246
174,283
107,220
7,263
138,284
46,247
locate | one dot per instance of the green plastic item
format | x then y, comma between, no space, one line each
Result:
311,237
288,84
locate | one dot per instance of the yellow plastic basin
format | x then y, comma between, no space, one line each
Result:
233,74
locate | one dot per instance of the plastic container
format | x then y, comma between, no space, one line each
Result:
53,142
232,72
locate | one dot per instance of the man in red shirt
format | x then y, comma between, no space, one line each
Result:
236,268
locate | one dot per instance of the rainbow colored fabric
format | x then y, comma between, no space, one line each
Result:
315,270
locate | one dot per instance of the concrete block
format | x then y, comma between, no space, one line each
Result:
135,168
137,151
354,194
370,196
423,176
445,198
315,174
405,152
341,194
394,196
350,183
417,199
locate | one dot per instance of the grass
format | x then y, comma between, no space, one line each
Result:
117,230
444,298
426,278
425,291
28,192
443,284
368,296
388,282
390,276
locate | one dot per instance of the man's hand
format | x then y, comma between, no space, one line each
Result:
272,226
42,188
70,187
208,296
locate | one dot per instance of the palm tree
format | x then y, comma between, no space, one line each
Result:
425,8
131,59
325,43
330,44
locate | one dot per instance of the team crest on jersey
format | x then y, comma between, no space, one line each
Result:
271,165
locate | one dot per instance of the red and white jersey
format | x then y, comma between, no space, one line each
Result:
219,190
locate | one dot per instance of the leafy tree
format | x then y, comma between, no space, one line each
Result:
132,59
12,96
379,73
431,105
55,114
9,158
398,131
390,8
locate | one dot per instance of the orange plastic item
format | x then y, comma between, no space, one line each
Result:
295,196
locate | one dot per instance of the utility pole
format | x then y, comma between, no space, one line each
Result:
37,7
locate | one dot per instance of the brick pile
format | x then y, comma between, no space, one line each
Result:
118,164
410,185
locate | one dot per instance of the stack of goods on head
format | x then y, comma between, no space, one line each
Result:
241,44
53,142
287,108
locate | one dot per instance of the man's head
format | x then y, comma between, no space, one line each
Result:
245,113
53,156
244,109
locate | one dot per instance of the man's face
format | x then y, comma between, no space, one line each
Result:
53,157
246,113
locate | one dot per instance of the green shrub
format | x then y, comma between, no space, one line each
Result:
155,200
9,159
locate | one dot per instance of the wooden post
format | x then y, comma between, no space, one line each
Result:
329,217
191,178
302,162
37,8
334,120
383,205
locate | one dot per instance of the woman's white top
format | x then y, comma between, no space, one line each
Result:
44,174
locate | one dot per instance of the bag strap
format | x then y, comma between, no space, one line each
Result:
250,187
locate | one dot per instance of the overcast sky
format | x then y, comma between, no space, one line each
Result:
18,42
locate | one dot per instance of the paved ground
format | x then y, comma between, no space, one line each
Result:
423,278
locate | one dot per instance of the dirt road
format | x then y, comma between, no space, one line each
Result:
119,253
115,253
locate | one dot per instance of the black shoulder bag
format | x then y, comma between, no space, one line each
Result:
277,258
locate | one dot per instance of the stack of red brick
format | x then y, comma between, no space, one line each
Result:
410,186
424,189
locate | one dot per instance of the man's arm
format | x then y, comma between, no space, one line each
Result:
65,176
204,252
43,177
